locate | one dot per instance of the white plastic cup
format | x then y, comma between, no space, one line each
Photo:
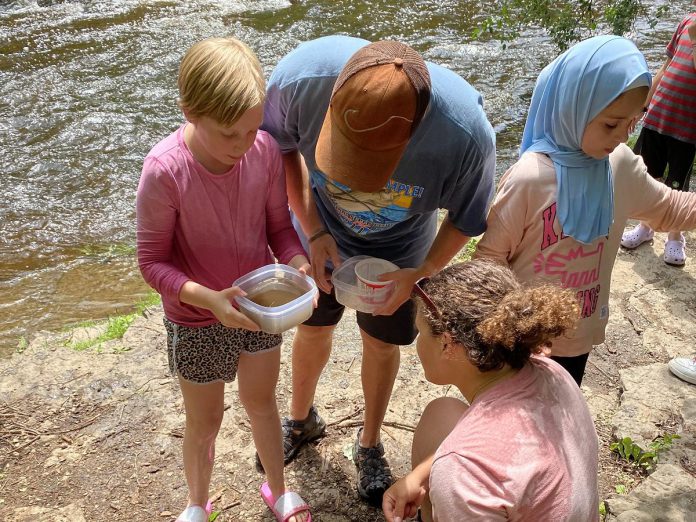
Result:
367,273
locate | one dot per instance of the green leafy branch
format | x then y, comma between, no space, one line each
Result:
565,21
644,458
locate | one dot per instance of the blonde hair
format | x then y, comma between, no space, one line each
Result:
499,321
220,78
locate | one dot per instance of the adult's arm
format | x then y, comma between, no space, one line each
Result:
448,242
322,246
467,204
281,235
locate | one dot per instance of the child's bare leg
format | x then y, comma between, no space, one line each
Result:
257,377
438,420
204,409
674,235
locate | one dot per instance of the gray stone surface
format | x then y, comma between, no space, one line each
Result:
668,494
662,310
652,398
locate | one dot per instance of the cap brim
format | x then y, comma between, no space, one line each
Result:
342,161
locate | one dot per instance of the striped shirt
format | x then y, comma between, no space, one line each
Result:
672,109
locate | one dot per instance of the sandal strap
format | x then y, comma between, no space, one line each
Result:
289,504
294,424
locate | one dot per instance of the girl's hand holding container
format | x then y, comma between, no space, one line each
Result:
227,314
301,264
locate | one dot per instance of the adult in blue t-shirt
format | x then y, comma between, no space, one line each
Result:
374,142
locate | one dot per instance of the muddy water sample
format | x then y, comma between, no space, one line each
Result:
275,292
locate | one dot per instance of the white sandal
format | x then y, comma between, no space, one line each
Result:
675,251
193,514
636,236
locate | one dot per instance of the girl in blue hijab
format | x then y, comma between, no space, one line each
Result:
570,92
560,210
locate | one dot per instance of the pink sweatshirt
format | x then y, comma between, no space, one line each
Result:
211,229
525,450
524,233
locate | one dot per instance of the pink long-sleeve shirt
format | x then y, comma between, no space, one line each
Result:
210,228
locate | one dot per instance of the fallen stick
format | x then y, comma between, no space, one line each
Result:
357,412
391,424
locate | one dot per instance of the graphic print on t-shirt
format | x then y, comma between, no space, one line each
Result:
368,212
576,267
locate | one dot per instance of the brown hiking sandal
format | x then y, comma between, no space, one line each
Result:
297,433
374,475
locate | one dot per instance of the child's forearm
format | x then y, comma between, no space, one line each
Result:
197,295
421,472
656,80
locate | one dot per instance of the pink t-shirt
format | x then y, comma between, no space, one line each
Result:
208,228
526,449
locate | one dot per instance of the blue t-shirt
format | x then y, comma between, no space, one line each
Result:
449,162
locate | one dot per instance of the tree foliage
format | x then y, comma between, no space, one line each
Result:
566,21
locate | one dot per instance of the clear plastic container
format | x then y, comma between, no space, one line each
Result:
351,293
273,284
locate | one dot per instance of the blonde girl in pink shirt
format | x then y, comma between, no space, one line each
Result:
525,446
212,206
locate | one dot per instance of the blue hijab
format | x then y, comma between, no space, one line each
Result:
569,93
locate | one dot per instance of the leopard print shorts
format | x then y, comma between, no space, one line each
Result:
211,353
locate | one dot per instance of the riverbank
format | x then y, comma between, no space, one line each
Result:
96,434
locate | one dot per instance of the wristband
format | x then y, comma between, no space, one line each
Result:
317,235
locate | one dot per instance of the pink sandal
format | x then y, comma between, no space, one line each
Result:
287,505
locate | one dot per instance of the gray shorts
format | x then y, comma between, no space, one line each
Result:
211,353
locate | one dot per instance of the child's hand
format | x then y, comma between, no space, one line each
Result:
300,264
227,314
403,498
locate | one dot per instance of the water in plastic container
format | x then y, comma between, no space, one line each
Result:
276,293
353,293
278,297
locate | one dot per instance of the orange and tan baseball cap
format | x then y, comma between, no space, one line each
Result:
377,102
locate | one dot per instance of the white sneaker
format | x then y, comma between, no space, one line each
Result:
684,368
636,236
193,514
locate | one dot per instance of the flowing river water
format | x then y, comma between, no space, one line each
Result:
88,86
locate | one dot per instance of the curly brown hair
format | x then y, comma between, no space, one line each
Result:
499,321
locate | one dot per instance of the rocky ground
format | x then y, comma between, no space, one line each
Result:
96,435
